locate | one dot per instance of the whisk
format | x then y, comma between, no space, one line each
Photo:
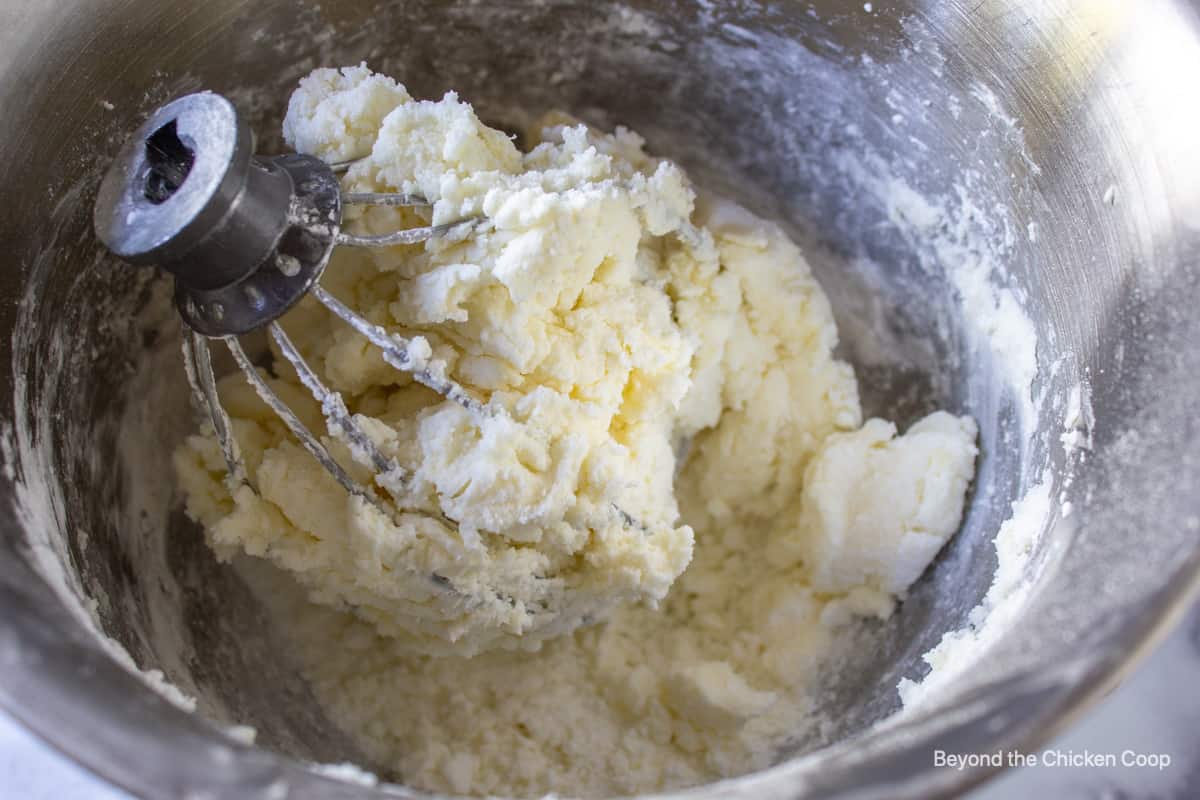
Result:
246,237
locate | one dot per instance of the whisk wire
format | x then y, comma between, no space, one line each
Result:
398,352
340,421
406,236
306,438
197,362
394,199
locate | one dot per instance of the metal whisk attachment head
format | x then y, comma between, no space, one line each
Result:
246,237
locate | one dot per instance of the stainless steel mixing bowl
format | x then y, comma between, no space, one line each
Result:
1058,137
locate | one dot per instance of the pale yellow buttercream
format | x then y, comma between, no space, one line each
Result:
613,323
